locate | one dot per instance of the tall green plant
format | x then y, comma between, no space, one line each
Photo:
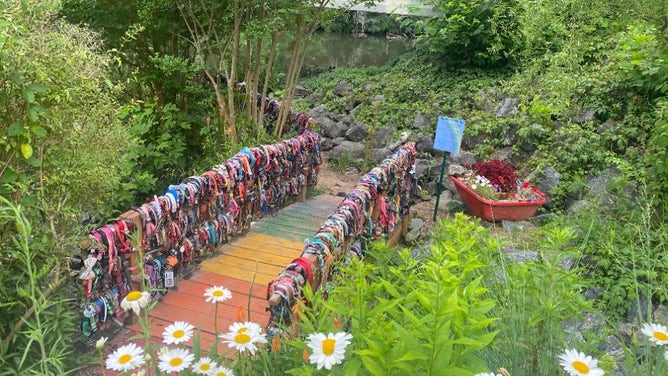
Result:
37,322
534,299
408,316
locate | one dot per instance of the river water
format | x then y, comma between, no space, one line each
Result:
333,50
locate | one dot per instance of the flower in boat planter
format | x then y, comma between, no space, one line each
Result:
496,180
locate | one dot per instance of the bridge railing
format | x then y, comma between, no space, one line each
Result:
377,206
189,220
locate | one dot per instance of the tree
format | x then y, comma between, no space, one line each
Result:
62,152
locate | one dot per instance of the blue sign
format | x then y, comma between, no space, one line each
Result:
449,134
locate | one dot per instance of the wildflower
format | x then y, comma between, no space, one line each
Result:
175,360
657,333
204,366
135,301
125,358
100,343
328,351
577,364
243,336
275,343
217,294
178,332
222,371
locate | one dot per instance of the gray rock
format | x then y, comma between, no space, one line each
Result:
462,158
369,86
395,145
423,169
382,136
503,154
378,98
318,113
517,226
342,89
353,149
379,154
593,293
660,315
444,201
508,108
589,322
456,170
639,310
584,116
519,255
330,128
356,133
568,263
598,185
425,145
301,91
326,143
420,121
579,206
416,223
414,230
485,99
343,118
338,141
546,180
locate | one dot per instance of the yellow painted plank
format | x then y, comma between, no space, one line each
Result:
238,273
254,238
258,254
250,266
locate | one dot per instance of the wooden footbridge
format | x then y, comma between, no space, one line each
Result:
223,228
245,266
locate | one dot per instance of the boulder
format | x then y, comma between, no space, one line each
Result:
353,149
356,133
508,108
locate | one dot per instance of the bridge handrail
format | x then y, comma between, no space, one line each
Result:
378,202
194,216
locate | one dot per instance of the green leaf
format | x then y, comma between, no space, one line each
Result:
30,95
33,161
372,366
37,88
15,129
26,150
38,131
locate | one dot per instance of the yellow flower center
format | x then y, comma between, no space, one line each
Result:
217,293
661,336
581,367
124,358
205,367
175,362
242,338
328,346
178,333
133,296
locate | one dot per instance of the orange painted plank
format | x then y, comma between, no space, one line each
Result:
188,301
208,279
238,273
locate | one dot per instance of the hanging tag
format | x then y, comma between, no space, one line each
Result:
169,278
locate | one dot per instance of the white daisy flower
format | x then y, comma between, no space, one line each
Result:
100,343
244,336
657,333
578,364
125,358
135,301
217,294
328,350
178,332
175,360
222,371
204,366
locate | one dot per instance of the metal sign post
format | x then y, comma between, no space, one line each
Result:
448,138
